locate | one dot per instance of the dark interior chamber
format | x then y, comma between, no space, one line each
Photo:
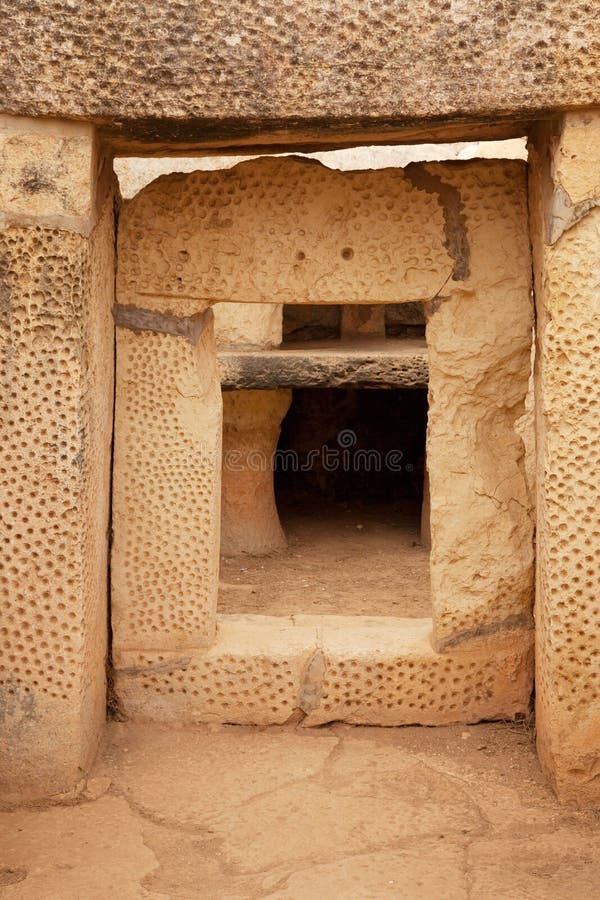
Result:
350,445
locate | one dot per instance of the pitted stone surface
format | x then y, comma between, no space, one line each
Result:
390,675
567,404
235,65
166,489
376,671
56,341
288,231
252,673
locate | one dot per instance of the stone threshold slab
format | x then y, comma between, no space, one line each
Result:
267,670
398,363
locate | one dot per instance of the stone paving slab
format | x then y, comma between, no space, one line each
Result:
461,813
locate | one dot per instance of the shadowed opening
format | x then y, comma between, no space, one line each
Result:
349,476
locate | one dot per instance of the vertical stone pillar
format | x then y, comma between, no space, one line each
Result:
56,339
479,335
251,425
565,211
167,478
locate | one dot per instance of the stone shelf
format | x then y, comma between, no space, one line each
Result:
388,363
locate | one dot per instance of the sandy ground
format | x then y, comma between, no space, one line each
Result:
340,812
349,561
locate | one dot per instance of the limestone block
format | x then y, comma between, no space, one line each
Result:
56,339
394,364
248,325
479,334
320,66
48,173
166,483
575,159
567,261
251,426
251,674
288,231
386,672
318,669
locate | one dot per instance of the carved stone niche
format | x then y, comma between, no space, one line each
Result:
453,236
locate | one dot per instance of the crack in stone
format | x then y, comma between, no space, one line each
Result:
136,318
455,224
498,503
159,820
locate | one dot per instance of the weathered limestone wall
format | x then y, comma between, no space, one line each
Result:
166,483
251,426
227,71
56,337
479,335
565,204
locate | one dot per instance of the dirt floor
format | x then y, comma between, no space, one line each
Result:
345,561
218,812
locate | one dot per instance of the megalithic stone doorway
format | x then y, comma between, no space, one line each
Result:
280,231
